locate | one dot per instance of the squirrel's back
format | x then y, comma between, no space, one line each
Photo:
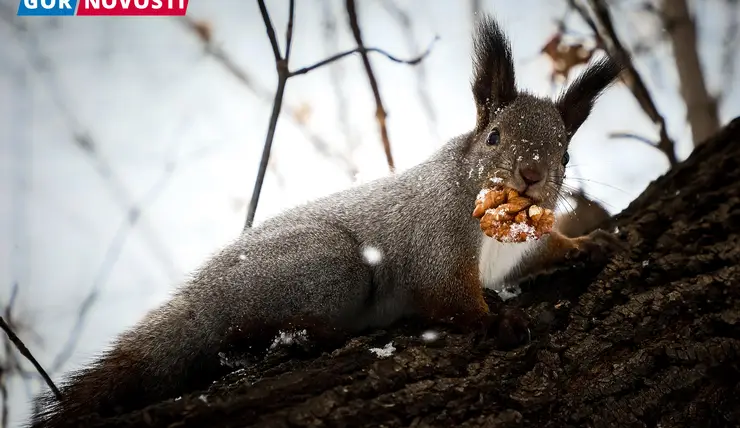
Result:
337,259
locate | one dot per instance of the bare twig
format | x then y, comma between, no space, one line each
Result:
265,95
362,50
4,394
607,39
284,73
701,108
289,32
8,366
26,353
271,30
380,113
631,136
584,14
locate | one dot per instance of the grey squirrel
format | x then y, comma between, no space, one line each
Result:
403,245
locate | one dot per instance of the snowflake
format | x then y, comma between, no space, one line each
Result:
372,255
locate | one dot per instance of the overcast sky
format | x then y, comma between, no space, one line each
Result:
99,115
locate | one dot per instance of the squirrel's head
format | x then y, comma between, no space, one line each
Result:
521,140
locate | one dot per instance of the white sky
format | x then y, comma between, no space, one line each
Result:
147,95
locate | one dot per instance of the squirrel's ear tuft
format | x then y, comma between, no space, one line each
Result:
575,103
493,68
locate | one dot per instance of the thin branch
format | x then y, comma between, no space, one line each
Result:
583,12
270,30
11,301
4,394
361,50
380,113
701,107
284,74
631,136
322,146
289,31
607,39
26,353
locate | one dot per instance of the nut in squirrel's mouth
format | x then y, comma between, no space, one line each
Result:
534,194
508,216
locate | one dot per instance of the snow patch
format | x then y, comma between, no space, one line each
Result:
242,256
518,228
429,336
497,180
287,338
508,293
372,255
385,351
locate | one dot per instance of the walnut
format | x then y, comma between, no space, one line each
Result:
509,217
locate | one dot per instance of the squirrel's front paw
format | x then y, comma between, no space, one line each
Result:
510,327
597,246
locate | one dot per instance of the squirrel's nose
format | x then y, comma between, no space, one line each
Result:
530,175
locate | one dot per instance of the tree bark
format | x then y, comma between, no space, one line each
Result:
701,108
650,337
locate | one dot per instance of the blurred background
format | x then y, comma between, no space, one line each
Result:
129,147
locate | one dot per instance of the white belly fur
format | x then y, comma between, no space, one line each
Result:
497,260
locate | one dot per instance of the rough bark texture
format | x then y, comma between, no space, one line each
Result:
650,338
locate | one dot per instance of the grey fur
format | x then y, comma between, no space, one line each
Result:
309,260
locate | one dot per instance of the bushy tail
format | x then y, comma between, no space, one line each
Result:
174,350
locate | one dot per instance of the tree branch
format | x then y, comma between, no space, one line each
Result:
380,113
26,353
628,135
607,39
701,108
284,74
271,30
265,95
361,50
289,31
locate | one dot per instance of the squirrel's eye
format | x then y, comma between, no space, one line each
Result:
493,138
566,158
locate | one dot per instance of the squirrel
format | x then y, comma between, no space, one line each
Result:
586,216
404,245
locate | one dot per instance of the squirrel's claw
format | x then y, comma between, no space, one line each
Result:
597,245
510,329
